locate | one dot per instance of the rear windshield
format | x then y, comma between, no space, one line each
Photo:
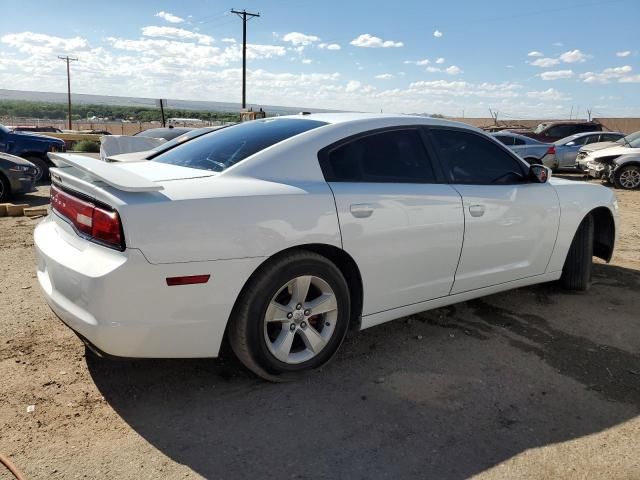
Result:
226,147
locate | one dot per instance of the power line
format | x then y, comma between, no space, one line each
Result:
243,15
68,60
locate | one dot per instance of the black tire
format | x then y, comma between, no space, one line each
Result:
43,168
576,273
632,182
246,327
5,189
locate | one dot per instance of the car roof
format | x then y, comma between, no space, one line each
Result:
340,117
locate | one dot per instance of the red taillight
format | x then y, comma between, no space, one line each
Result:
551,150
93,222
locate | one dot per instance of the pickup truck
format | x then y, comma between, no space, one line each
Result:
31,147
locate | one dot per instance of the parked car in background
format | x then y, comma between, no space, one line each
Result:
583,153
274,235
553,131
619,165
31,147
149,154
530,149
38,129
564,151
168,133
17,175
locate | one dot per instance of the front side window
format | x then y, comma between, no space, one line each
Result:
473,159
223,148
395,156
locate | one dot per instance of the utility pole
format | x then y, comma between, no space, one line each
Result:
243,15
67,59
589,110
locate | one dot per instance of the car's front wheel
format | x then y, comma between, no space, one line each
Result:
627,177
291,316
42,169
5,189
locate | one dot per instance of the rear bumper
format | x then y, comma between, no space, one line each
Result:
121,304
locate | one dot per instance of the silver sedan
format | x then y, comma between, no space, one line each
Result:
531,150
565,151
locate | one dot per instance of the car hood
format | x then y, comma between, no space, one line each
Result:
16,160
614,151
592,147
37,137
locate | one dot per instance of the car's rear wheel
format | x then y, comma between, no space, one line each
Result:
291,316
627,177
5,189
576,273
42,172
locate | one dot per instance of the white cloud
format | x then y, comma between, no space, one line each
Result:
176,33
169,17
367,40
297,38
549,94
573,56
608,74
39,43
433,69
624,53
440,60
329,46
228,40
558,44
420,63
545,62
453,70
385,76
307,61
630,79
556,74
352,86
438,34
535,53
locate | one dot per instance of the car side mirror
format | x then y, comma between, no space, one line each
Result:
539,173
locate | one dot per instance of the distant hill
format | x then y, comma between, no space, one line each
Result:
81,98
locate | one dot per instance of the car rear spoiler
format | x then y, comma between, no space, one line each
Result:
109,173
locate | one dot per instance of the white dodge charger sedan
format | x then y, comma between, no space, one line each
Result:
281,234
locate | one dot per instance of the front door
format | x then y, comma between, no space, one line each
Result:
510,222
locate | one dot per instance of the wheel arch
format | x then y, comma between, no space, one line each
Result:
604,233
345,263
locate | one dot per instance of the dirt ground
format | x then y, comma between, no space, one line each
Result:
532,383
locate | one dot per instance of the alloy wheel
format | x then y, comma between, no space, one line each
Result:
300,319
630,178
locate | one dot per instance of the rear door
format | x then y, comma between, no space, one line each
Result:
399,220
510,223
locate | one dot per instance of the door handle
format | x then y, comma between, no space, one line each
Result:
476,210
361,210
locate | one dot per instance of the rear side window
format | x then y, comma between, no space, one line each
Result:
473,159
518,141
223,148
609,137
394,156
505,139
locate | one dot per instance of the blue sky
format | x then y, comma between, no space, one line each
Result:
523,59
